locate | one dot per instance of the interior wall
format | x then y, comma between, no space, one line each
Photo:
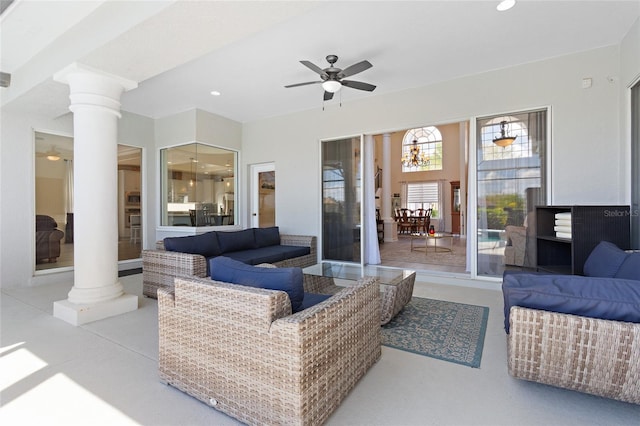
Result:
451,151
581,120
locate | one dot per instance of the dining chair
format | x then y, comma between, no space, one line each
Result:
405,222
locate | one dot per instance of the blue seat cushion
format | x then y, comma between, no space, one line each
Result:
203,244
630,268
267,236
232,271
269,254
236,240
311,299
595,297
604,261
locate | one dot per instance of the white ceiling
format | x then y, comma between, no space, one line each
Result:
179,51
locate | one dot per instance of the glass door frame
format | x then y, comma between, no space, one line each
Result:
472,205
321,241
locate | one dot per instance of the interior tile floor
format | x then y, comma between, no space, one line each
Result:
105,373
127,249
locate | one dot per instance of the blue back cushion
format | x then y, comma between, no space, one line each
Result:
630,268
604,261
311,299
232,271
594,297
204,244
236,240
267,236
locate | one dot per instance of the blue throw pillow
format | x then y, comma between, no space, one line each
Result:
267,236
236,240
204,244
604,260
630,268
232,271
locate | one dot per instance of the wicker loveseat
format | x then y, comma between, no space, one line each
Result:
252,246
240,349
578,332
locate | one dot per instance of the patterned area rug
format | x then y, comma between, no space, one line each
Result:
448,331
401,251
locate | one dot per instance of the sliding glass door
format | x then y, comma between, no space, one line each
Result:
54,202
341,199
510,183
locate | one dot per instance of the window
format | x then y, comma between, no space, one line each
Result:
424,195
341,199
198,185
54,201
510,183
422,150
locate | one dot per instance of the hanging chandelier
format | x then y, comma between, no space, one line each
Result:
415,158
504,140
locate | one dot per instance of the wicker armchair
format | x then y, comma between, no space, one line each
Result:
160,267
594,356
239,349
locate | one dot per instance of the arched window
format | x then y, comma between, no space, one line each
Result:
422,150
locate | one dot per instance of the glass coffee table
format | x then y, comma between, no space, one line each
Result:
435,237
396,285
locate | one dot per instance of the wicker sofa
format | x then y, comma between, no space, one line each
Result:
240,350
578,332
161,266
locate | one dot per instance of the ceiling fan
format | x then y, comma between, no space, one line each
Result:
51,155
332,77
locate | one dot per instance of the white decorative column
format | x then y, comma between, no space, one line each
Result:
95,102
390,225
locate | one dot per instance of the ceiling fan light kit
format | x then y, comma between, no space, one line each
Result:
331,86
331,78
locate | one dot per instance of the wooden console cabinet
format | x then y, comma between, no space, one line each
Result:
589,226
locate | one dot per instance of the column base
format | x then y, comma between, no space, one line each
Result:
390,231
79,314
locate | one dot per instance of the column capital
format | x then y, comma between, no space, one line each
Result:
92,88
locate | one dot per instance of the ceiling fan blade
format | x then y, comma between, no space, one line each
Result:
328,95
303,84
355,69
314,68
358,85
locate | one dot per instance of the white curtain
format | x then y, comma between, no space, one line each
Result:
371,248
442,204
404,194
68,186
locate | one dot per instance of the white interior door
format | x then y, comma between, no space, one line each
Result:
263,195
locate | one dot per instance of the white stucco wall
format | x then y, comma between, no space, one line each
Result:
17,206
589,140
586,143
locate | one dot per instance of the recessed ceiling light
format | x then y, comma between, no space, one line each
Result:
215,93
506,5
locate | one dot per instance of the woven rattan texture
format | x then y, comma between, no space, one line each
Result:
239,350
393,297
160,267
589,355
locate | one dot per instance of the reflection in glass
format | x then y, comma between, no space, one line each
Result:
511,182
198,185
341,199
267,201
